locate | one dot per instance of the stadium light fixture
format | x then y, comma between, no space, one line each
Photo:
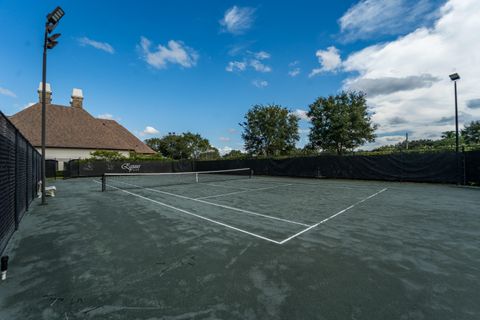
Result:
49,43
455,77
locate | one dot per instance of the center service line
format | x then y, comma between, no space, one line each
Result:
332,216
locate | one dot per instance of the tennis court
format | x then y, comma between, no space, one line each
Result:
239,247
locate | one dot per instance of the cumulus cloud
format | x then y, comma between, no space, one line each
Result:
302,114
254,60
236,66
176,52
106,116
149,131
388,85
28,105
104,46
329,60
473,104
237,20
294,72
397,120
261,55
373,18
408,77
260,83
259,66
224,150
8,93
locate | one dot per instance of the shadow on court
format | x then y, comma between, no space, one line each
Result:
262,248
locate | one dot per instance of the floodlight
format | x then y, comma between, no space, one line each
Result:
51,41
55,16
454,77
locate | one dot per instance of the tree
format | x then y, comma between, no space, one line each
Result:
340,122
471,133
234,154
269,130
106,155
183,146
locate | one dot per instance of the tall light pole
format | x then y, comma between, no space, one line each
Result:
454,77
49,43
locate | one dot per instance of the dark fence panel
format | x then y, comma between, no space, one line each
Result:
421,167
416,167
96,168
51,167
472,167
20,166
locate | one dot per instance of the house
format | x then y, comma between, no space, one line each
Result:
72,132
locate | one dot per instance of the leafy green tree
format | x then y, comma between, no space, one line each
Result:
269,130
106,155
340,122
153,143
471,133
210,154
180,146
234,154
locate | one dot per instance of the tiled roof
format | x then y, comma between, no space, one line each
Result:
69,127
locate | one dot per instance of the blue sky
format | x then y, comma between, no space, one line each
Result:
200,65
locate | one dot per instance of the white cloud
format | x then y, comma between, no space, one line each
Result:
425,58
260,83
262,55
28,105
224,150
236,66
373,18
106,116
224,139
104,46
294,72
237,20
329,60
176,52
294,63
232,131
259,66
302,114
149,131
8,93
252,60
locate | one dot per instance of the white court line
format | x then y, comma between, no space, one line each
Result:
195,215
216,204
332,216
243,191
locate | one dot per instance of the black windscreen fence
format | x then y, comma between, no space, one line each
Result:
415,167
96,168
20,172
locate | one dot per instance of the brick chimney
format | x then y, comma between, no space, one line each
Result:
77,98
48,93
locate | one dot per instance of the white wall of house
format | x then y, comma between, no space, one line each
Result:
64,154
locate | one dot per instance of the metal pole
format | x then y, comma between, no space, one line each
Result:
456,119
44,80
456,135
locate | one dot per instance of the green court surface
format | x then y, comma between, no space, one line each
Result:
260,248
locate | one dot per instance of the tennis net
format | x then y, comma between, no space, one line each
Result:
115,181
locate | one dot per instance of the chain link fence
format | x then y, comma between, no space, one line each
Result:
20,172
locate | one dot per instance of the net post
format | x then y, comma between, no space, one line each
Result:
251,173
196,177
104,183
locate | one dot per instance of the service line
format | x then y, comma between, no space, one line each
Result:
332,216
193,214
